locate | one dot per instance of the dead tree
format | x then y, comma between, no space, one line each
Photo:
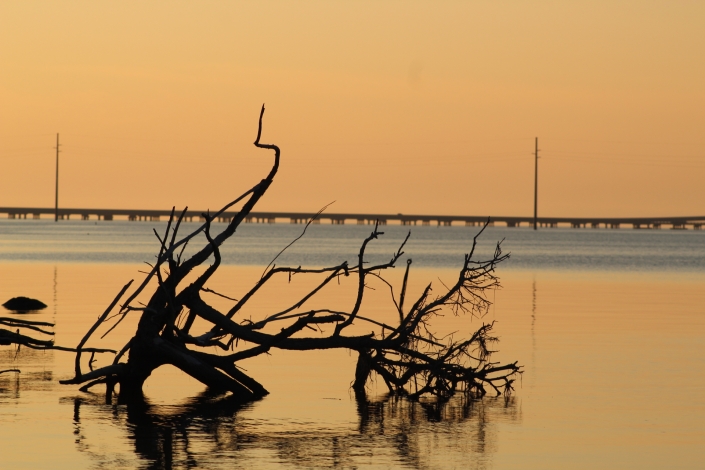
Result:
8,337
407,356
19,339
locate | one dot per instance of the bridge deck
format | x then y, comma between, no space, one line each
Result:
696,222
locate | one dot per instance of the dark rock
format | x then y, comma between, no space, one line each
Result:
24,304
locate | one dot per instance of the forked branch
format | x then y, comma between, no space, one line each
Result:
408,356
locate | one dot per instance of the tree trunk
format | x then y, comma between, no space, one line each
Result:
362,371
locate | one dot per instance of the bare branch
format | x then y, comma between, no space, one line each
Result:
95,326
310,221
409,357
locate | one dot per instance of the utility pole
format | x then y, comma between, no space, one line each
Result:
536,182
56,194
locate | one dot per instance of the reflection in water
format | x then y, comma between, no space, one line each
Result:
10,385
55,289
465,425
533,329
35,367
216,432
157,437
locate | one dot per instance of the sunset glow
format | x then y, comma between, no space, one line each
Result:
413,107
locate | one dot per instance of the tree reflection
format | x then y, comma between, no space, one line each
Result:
35,366
216,432
465,425
9,386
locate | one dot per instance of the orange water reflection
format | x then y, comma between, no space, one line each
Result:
614,378
214,432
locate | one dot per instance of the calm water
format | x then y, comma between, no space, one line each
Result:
429,247
609,324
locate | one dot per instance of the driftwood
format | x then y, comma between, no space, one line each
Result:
8,337
407,355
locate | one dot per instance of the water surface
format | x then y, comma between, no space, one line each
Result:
609,325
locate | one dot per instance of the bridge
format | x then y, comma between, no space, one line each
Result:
696,222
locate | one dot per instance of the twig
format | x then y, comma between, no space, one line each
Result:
297,238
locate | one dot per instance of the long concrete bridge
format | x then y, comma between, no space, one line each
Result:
696,222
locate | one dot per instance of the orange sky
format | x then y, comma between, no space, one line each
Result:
410,106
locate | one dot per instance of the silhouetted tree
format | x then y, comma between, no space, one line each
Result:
408,356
